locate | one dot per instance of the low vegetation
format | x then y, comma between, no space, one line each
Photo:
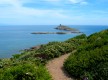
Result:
91,59
23,70
30,64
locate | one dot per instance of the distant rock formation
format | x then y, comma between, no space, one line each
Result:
49,33
66,28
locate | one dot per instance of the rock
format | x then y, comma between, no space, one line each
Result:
66,28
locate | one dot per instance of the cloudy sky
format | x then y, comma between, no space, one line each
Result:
52,12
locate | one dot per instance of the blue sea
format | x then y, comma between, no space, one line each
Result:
13,39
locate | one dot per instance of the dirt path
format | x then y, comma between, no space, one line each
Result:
55,67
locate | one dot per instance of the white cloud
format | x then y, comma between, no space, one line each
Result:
13,3
15,13
100,11
82,2
75,1
52,0
16,7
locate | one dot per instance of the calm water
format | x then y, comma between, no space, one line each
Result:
16,38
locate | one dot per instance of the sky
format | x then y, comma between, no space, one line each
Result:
53,12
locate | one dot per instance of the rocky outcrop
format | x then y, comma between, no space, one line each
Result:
65,28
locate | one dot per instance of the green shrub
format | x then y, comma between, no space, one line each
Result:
25,71
55,49
91,58
82,36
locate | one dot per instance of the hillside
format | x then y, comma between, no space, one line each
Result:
91,59
30,64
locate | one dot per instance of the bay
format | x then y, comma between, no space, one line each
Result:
18,37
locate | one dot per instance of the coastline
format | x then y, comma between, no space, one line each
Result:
18,40
33,48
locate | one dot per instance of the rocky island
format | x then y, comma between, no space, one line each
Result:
64,30
50,33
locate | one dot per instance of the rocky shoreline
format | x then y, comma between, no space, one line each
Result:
33,48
